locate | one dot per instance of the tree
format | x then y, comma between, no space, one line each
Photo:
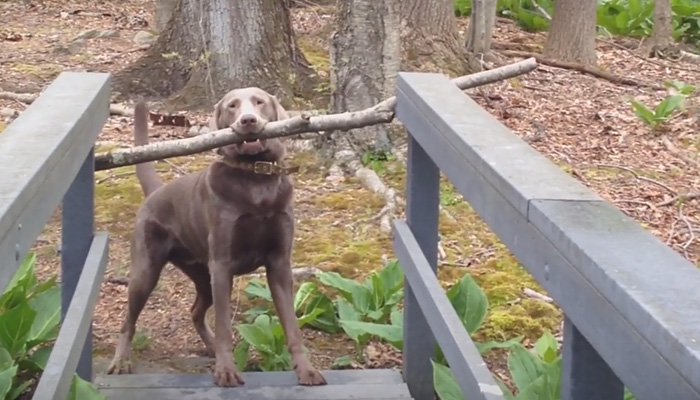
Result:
481,24
209,47
429,38
164,10
663,24
365,56
571,37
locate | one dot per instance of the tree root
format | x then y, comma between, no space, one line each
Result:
380,113
598,73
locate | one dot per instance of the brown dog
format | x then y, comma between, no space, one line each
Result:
229,219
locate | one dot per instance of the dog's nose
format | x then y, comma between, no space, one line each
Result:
248,120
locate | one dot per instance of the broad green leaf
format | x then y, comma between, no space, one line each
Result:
342,362
546,347
645,114
15,325
374,285
257,288
256,336
524,366
6,377
5,360
44,286
253,313
445,383
240,354
81,389
391,276
22,281
48,316
668,106
307,291
397,318
308,318
41,356
328,320
546,386
470,303
337,281
389,333
345,310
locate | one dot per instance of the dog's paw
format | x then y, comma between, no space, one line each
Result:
120,366
227,376
310,377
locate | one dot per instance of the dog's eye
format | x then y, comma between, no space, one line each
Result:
259,102
232,105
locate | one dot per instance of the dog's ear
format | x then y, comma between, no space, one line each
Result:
216,116
279,110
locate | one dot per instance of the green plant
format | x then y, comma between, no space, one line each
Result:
376,160
312,306
266,336
661,113
30,320
372,300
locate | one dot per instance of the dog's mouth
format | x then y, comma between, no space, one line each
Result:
251,146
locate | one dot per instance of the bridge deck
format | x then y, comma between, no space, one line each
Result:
376,384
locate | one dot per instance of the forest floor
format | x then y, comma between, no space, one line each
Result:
584,124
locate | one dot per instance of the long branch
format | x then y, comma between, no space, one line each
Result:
378,114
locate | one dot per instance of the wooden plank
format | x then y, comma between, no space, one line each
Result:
422,214
634,337
41,151
56,379
473,375
252,379
328,392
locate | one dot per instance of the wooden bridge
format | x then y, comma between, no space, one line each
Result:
631,303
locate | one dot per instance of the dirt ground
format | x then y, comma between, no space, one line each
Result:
584,124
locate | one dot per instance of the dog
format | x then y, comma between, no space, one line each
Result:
226,220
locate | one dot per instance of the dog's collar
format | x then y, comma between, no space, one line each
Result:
261,167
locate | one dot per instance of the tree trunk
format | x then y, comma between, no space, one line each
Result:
429,38
211,47
164,10
481,24
663,24
571,37
365,58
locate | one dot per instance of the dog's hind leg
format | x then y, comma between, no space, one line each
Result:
199,274
146,267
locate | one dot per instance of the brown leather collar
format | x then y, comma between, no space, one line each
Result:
261,167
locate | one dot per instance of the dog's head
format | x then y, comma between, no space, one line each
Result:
247,110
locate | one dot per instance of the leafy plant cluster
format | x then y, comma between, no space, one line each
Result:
30,314
371,309
675,101
614,17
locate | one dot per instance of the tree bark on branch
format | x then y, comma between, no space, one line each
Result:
378,114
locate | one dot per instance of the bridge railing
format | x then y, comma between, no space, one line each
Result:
46,156
630,302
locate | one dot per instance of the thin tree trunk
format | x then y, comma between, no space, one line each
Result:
210,47
365,58
481,24
663,24
429,38
571,37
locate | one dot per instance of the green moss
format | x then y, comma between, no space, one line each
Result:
316,55
531,318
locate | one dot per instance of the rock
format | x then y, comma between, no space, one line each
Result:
108,33
144,38
196,130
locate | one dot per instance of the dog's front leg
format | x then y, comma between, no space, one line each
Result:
280,281
225,372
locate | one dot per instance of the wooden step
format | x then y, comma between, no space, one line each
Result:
373,384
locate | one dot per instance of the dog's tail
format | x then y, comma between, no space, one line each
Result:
145,172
